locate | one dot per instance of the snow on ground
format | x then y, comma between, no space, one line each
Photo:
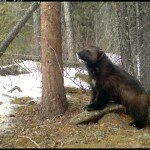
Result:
31,83
70,79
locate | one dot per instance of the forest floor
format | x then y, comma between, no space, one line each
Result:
29,131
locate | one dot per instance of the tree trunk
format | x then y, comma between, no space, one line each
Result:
53,93
144,42
123,31
36,29
13,33
69,33
132,15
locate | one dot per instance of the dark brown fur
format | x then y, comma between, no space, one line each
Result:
111,83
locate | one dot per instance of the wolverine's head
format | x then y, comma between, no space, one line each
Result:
90,54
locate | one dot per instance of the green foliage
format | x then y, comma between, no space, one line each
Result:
83,12
83,20
10,13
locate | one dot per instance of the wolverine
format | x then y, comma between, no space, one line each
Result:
109,82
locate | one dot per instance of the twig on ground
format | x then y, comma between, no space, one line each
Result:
31,140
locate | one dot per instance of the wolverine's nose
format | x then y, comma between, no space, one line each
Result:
78,54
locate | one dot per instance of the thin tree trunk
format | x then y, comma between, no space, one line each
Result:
53,92
95,26
69,33
36,29
144,43
13,33
133,34
123,31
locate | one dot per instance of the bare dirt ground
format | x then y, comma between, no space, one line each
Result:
30,132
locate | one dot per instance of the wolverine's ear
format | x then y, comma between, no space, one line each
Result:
100,55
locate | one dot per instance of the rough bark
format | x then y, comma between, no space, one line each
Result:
143,42
13,33
132,16
123,31
69,33
53,93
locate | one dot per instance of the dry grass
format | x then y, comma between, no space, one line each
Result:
31,132
22,100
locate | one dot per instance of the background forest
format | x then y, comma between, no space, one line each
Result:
119,28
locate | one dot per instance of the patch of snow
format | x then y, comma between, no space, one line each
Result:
115,58
6,109
31,83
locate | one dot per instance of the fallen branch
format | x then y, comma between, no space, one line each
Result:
13,33
7,95
93,116
15,88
